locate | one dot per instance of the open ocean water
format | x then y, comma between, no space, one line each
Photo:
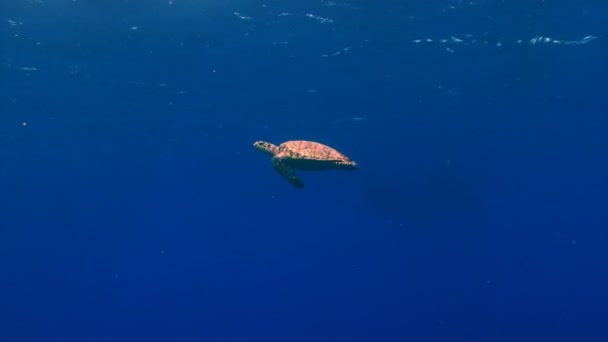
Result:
133,206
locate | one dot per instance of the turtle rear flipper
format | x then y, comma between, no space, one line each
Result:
287,172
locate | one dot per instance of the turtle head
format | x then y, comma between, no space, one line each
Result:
266,147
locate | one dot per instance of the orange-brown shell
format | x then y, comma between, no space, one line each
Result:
310,150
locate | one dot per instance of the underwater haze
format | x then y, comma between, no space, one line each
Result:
134,206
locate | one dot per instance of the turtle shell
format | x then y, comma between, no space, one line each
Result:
313,155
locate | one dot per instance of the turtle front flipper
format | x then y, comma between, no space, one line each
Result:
287,172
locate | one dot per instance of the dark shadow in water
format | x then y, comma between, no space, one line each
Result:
436,196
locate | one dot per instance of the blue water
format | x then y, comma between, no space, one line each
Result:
133,206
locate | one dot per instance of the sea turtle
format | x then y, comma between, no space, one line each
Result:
304,155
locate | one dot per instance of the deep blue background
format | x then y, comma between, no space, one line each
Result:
133,207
